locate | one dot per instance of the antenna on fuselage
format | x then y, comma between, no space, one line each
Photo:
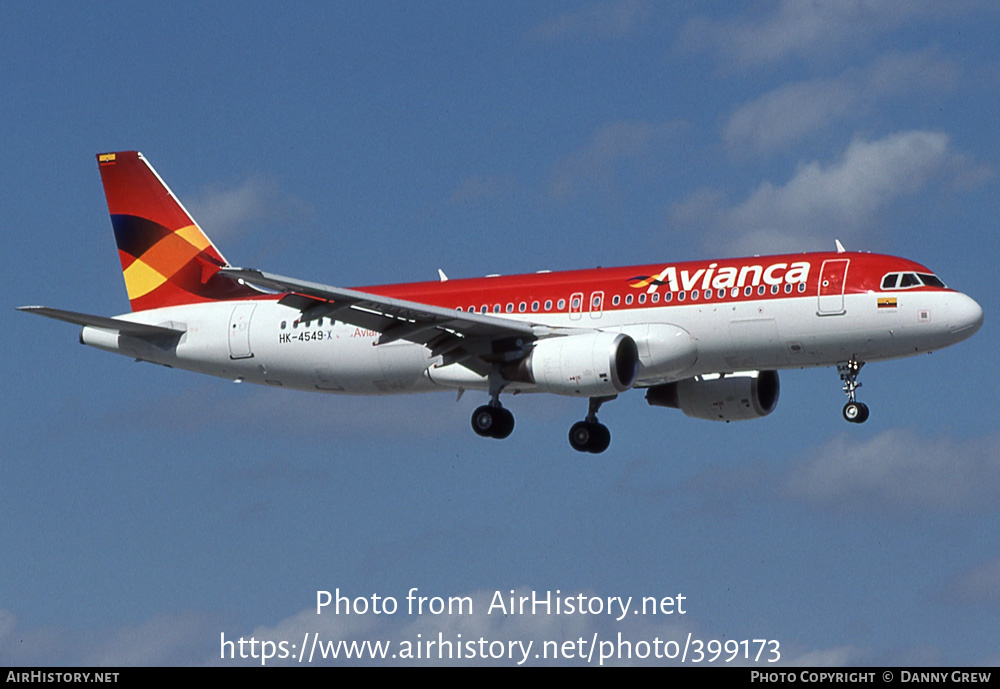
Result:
840,247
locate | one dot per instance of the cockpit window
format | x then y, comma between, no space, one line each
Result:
930,280
906,280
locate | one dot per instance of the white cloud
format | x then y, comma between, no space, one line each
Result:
784,116
840,656
595,164
7,623
169,639
165,639
900,470
808,30
596,21
226,212
841,200
977,586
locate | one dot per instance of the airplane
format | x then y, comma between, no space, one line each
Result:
706,337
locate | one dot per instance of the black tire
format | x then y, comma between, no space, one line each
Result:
600,439
484,421
579,436
863,413
853,412
503,423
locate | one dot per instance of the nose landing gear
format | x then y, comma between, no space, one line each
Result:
854,411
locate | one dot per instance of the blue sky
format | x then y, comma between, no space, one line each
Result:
145,511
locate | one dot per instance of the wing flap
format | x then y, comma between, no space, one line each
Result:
395,318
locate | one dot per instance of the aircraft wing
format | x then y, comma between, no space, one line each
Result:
123,327
455,335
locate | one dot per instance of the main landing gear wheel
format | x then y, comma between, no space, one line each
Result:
590,435
492,422
854,411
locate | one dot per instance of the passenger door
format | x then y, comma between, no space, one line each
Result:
832,282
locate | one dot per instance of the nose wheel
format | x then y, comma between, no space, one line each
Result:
854,411
590,435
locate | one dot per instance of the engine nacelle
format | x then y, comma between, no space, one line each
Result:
588,364
732,397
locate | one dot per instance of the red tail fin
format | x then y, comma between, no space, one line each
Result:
166,258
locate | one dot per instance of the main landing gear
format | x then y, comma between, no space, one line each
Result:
854,411
492,420
589,435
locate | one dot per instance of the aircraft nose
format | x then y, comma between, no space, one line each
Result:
965,316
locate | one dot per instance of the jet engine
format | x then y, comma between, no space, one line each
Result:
589,364
728,397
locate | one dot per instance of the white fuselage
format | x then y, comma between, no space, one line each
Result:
260,341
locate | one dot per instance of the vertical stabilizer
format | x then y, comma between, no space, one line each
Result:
166,258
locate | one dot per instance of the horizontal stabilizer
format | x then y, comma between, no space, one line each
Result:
123,327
